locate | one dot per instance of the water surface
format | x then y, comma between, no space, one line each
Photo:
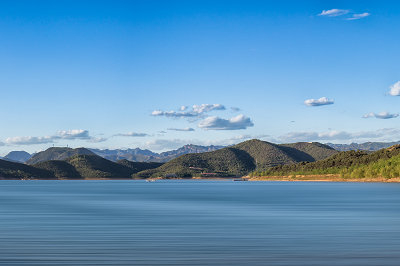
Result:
198,223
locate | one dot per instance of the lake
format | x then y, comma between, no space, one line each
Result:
188,222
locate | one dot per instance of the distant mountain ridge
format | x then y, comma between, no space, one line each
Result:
367,146
139,155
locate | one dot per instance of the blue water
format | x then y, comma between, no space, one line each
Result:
198,223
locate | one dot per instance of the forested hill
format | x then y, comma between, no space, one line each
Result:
355,164
240,159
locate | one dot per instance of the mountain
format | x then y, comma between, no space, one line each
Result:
139,155
57,153
18,156
382,163
367,146
136,155
240,159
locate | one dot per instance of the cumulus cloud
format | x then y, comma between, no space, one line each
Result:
131,134
395,89
318,102
203,108
381,115
74,134
196,111
182,129
333,135
334,12
358,16
234,123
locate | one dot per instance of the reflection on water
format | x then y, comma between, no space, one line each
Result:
198,223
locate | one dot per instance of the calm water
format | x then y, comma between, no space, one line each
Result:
198,223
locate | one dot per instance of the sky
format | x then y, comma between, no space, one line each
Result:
160,74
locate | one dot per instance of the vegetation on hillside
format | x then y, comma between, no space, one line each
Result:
12,170
239,159
351,164
57,153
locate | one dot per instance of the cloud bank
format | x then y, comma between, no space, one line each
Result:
234,123
318,102
75,134
381,134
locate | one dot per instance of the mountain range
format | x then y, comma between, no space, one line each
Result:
367,146
67,163
140,155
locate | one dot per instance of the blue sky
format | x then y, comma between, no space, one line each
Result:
115,74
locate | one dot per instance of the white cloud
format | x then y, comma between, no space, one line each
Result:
235,109
203,108
318,102
181,129
131,134
358,16
196,111
381,134
334,12
173,114
234,123
74,134
395,89
97,139
381,115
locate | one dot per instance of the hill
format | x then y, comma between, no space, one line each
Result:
59,169
239,159
12,170
18,156
57,153
346,164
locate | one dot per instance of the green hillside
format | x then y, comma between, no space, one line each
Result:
239,159
57,153
347,164
12,170
93,166
59,169
139,166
